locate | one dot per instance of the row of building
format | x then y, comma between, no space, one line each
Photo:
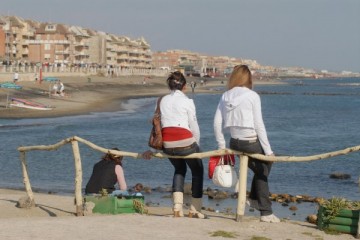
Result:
31,42
28,42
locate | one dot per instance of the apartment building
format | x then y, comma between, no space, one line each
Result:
14,34
52,43
193,62
79,47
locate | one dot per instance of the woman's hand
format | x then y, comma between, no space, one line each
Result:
147,155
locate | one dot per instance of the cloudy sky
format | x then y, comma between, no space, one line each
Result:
320,34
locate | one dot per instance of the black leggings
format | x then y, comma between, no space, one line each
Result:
180,165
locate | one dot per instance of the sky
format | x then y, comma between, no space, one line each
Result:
316,34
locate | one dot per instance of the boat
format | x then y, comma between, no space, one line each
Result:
10,85
23,103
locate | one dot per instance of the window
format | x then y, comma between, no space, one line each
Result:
47,46
50,27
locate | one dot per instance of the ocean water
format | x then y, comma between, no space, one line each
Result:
305,119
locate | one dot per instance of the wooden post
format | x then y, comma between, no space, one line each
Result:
26,180
242,187
78,179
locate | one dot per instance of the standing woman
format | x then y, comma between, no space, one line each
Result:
181,137
239,111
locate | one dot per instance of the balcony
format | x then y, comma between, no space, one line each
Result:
62,52
81,54
80,44
61,42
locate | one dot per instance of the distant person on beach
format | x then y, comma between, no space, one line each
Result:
61,89
16,76
239,111
106,173
193,86
181,137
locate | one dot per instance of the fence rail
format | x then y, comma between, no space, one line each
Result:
242,169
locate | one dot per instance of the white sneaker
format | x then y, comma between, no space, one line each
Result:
270,219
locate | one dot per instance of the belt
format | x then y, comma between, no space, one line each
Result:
183,148
247,141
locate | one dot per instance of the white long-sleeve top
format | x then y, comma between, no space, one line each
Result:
177,110
239,111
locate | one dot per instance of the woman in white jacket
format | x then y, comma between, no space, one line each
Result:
181,137
239,111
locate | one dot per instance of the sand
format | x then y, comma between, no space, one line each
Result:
100,94
54,215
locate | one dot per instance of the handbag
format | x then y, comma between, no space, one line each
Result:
155,139
214,160
224,175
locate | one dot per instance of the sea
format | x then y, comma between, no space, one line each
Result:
303,117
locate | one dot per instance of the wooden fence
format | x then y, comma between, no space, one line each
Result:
242,169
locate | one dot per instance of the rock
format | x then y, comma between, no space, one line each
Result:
88,207
25,202
187,189
312,218
293,208
147,190
339,175
215,194
163,189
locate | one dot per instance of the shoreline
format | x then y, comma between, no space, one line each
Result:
54,217
101,94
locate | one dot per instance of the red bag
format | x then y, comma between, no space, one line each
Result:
214,160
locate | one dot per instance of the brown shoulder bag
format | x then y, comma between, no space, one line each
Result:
155,139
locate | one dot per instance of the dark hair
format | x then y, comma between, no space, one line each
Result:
176,81
112,157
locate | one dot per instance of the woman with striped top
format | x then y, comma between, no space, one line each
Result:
181,137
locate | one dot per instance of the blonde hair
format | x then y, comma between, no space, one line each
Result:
240,77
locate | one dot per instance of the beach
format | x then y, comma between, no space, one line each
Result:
85,94
54,214
53,217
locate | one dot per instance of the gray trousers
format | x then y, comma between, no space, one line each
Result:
259,194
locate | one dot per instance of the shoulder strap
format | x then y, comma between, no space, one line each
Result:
158,105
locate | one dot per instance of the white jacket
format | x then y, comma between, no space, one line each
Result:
239,110
177,110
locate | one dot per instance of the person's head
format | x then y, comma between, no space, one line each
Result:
138,187
176,81
112,157
240,77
